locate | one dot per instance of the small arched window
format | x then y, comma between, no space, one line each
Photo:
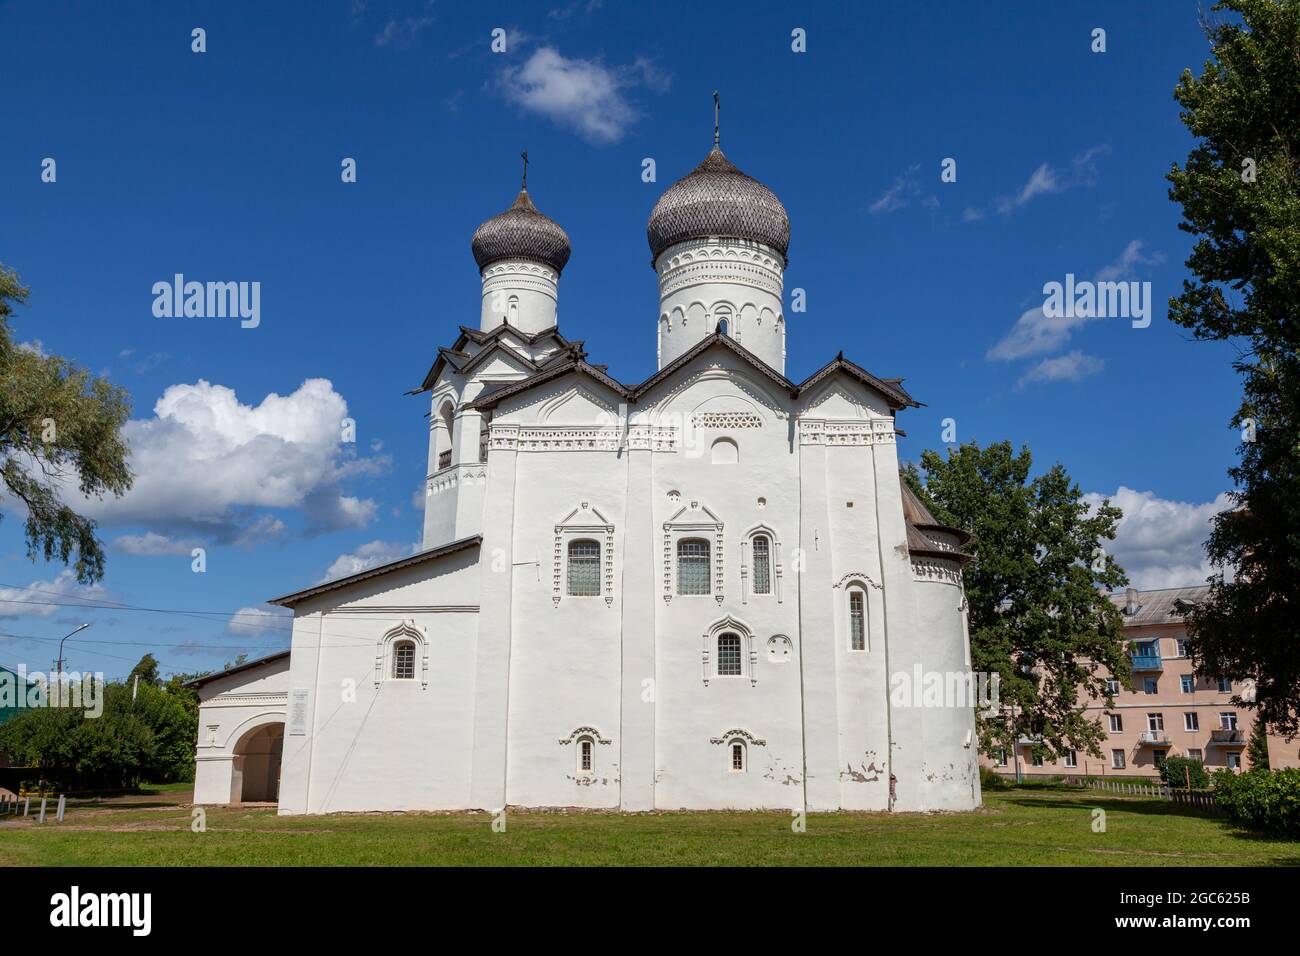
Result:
857,619
584,568
404,660
725,452
512,310
585,754
724,326
762,546
693,566
729,663
737,756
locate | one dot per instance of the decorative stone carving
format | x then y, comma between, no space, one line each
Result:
737,733
584,731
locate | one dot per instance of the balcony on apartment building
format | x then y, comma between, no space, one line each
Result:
1153,738
1146,661
1227,737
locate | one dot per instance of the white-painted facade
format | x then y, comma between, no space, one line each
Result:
689,593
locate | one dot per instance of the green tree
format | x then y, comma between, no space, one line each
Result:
1038,613
1257,749
1240,195
146,670
56,420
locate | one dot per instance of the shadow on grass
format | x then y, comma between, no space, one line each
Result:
1086,801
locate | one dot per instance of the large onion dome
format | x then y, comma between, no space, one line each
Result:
521,232
717,200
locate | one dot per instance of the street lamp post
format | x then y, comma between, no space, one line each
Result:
59,665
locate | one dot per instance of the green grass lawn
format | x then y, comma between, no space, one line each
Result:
1026,826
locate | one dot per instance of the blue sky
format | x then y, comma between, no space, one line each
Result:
225,165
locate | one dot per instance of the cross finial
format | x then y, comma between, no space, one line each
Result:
717,107
524,157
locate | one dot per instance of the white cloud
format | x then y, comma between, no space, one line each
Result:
400,34
1047,179
1070,367
152,544
205,464
43,598
1160,543
906,186
1036,332
584,95
368,556
254,621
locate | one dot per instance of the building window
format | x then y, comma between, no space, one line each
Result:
1228,720
1116,724
1117,759
1195,754
762,546
1225,686
404,660
1112,686
1002,757
737,757
857,619
1158,756
1155,722
729,655
584,568
1188,683
1182,648
1191,721
1036,760
1071,758
1150,685
693,566
1234,761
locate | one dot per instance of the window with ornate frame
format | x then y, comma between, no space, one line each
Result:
694,522
402,654
760,564
728,651
583,548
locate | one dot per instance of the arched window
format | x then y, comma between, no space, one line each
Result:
729,664
404,660
584,568
693,566
725,452
762,546
585,748
447,415
512,310
724,326
857,619
737,756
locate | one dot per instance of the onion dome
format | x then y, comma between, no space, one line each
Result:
717,200
521,232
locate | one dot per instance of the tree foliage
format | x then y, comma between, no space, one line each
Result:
1038,613
1240,195
59,427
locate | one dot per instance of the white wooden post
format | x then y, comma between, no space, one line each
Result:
41,818
63,802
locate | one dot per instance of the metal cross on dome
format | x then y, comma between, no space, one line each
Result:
717,107
524,157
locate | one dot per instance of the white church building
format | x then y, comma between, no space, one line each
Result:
692,592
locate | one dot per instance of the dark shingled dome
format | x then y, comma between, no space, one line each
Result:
717,200
521,232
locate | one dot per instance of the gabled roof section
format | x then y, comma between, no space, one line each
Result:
574,359
289,600
450,356
246,666
717,338
891,388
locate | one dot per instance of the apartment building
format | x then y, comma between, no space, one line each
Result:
1170,712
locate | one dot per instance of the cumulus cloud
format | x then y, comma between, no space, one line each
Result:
1070,367
256,621
583,95
207,466
152,544
44,598
1037,333
1160,543
368,556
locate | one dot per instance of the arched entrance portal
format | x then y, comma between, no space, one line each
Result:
255,777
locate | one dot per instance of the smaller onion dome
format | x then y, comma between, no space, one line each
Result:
521,232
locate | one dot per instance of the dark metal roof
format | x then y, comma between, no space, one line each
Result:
521,232
716,199
289,600
919,520
450,356
247,665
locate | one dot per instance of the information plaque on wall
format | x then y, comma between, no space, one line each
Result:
298,711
